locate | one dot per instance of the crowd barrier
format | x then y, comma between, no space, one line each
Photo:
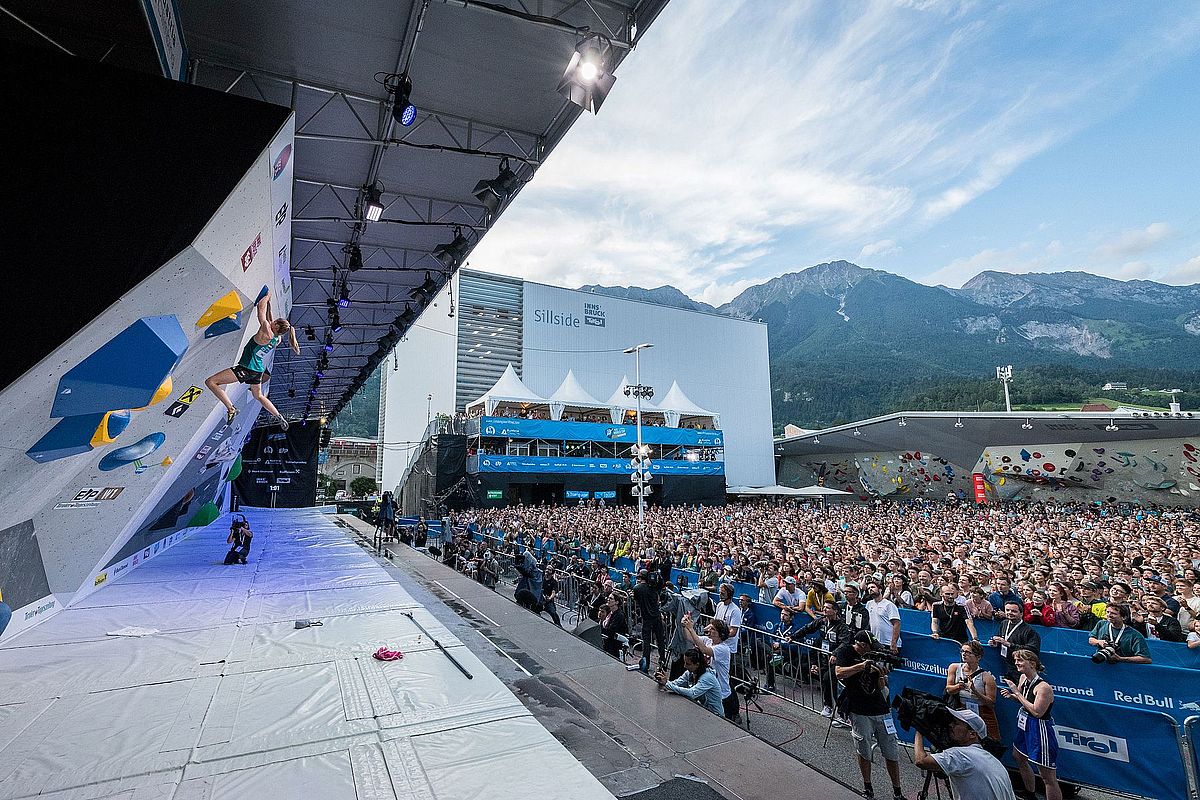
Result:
1130,728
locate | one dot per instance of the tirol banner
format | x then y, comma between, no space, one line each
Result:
279,468
1126,749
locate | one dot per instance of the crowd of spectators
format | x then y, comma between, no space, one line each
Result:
1106,570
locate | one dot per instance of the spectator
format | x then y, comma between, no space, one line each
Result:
867,702
697,682
1004,594
856,614
898,593
730,613
1015,633
1066,613
973,772
885,618
1037,611
1189,603
646,598
788,596
978,606
1035,740
1156,622
1116,637
832,632
972,687
614,627
949,619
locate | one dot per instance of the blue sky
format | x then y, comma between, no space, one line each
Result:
931,139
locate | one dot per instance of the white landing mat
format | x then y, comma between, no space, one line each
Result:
228,699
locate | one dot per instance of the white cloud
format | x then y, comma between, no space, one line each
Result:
884,247
803,126
1134,242
1184,274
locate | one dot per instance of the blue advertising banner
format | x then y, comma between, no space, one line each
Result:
605,495
588,466
1126,749
578,494
591,432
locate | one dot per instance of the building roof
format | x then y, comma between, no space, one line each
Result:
508,389
572,395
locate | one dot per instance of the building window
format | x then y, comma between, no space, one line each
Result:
339,473
517,449
550,450
357,469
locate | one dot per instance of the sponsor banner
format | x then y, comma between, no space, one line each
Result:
282,165
167,32
1125,749
979,483
589,466
495,494
577,494
610,494
91,497
15,620
591,432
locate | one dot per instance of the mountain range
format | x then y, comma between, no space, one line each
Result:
848,342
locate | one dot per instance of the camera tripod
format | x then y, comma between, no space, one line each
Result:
749,692
936,781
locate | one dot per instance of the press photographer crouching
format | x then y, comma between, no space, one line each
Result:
973,772
863,670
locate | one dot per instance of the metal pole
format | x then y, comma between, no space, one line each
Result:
1007,401
637,372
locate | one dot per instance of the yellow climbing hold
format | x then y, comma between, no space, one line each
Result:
168,461
225,306
160,394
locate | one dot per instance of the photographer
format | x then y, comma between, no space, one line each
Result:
1116,641
549,592
833,633
866,697
645,595
529,585
697,682
974,773
715,646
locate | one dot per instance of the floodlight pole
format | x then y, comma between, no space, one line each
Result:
1004,375
637,379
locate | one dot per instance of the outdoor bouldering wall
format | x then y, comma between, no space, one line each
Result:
142,234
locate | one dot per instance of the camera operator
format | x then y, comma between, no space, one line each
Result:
1015,633
974,773
645,595
866,696
833,633
1116,641
716,647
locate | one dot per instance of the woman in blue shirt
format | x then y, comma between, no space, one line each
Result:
697,682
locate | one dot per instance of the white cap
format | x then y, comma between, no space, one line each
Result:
974,720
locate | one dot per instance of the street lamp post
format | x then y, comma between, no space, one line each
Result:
639,391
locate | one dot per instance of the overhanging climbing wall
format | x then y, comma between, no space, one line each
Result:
113,447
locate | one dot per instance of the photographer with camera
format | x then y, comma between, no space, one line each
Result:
697,682
716,647
1116,641
529,585
1035,738
974,773
864,675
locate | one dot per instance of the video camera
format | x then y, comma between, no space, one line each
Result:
932,718
883,658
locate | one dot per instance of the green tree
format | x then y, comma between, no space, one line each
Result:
362,486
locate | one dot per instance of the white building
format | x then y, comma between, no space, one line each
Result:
544,331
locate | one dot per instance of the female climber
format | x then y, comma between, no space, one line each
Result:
251,368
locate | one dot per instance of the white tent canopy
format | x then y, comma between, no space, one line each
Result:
570,394
786,491
510,389
678,406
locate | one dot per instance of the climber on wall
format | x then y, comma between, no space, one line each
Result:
251,368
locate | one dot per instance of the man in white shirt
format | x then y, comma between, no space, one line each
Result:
716,646
789,596
973,771
885,617
728,612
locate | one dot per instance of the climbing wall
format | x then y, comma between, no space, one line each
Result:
114,448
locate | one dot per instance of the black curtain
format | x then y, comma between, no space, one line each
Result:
286,461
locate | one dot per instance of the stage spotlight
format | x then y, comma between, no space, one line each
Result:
903,422
1112,426
372,207
1027,425
496,192
329,342
587,80
407,318
309,333
454,252
958,423
403,111
291,392
335,322
354,260
426,289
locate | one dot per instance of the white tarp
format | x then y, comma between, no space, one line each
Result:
231,700
570,394
678,405
509,389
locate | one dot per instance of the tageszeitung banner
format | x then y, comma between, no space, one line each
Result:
279,468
